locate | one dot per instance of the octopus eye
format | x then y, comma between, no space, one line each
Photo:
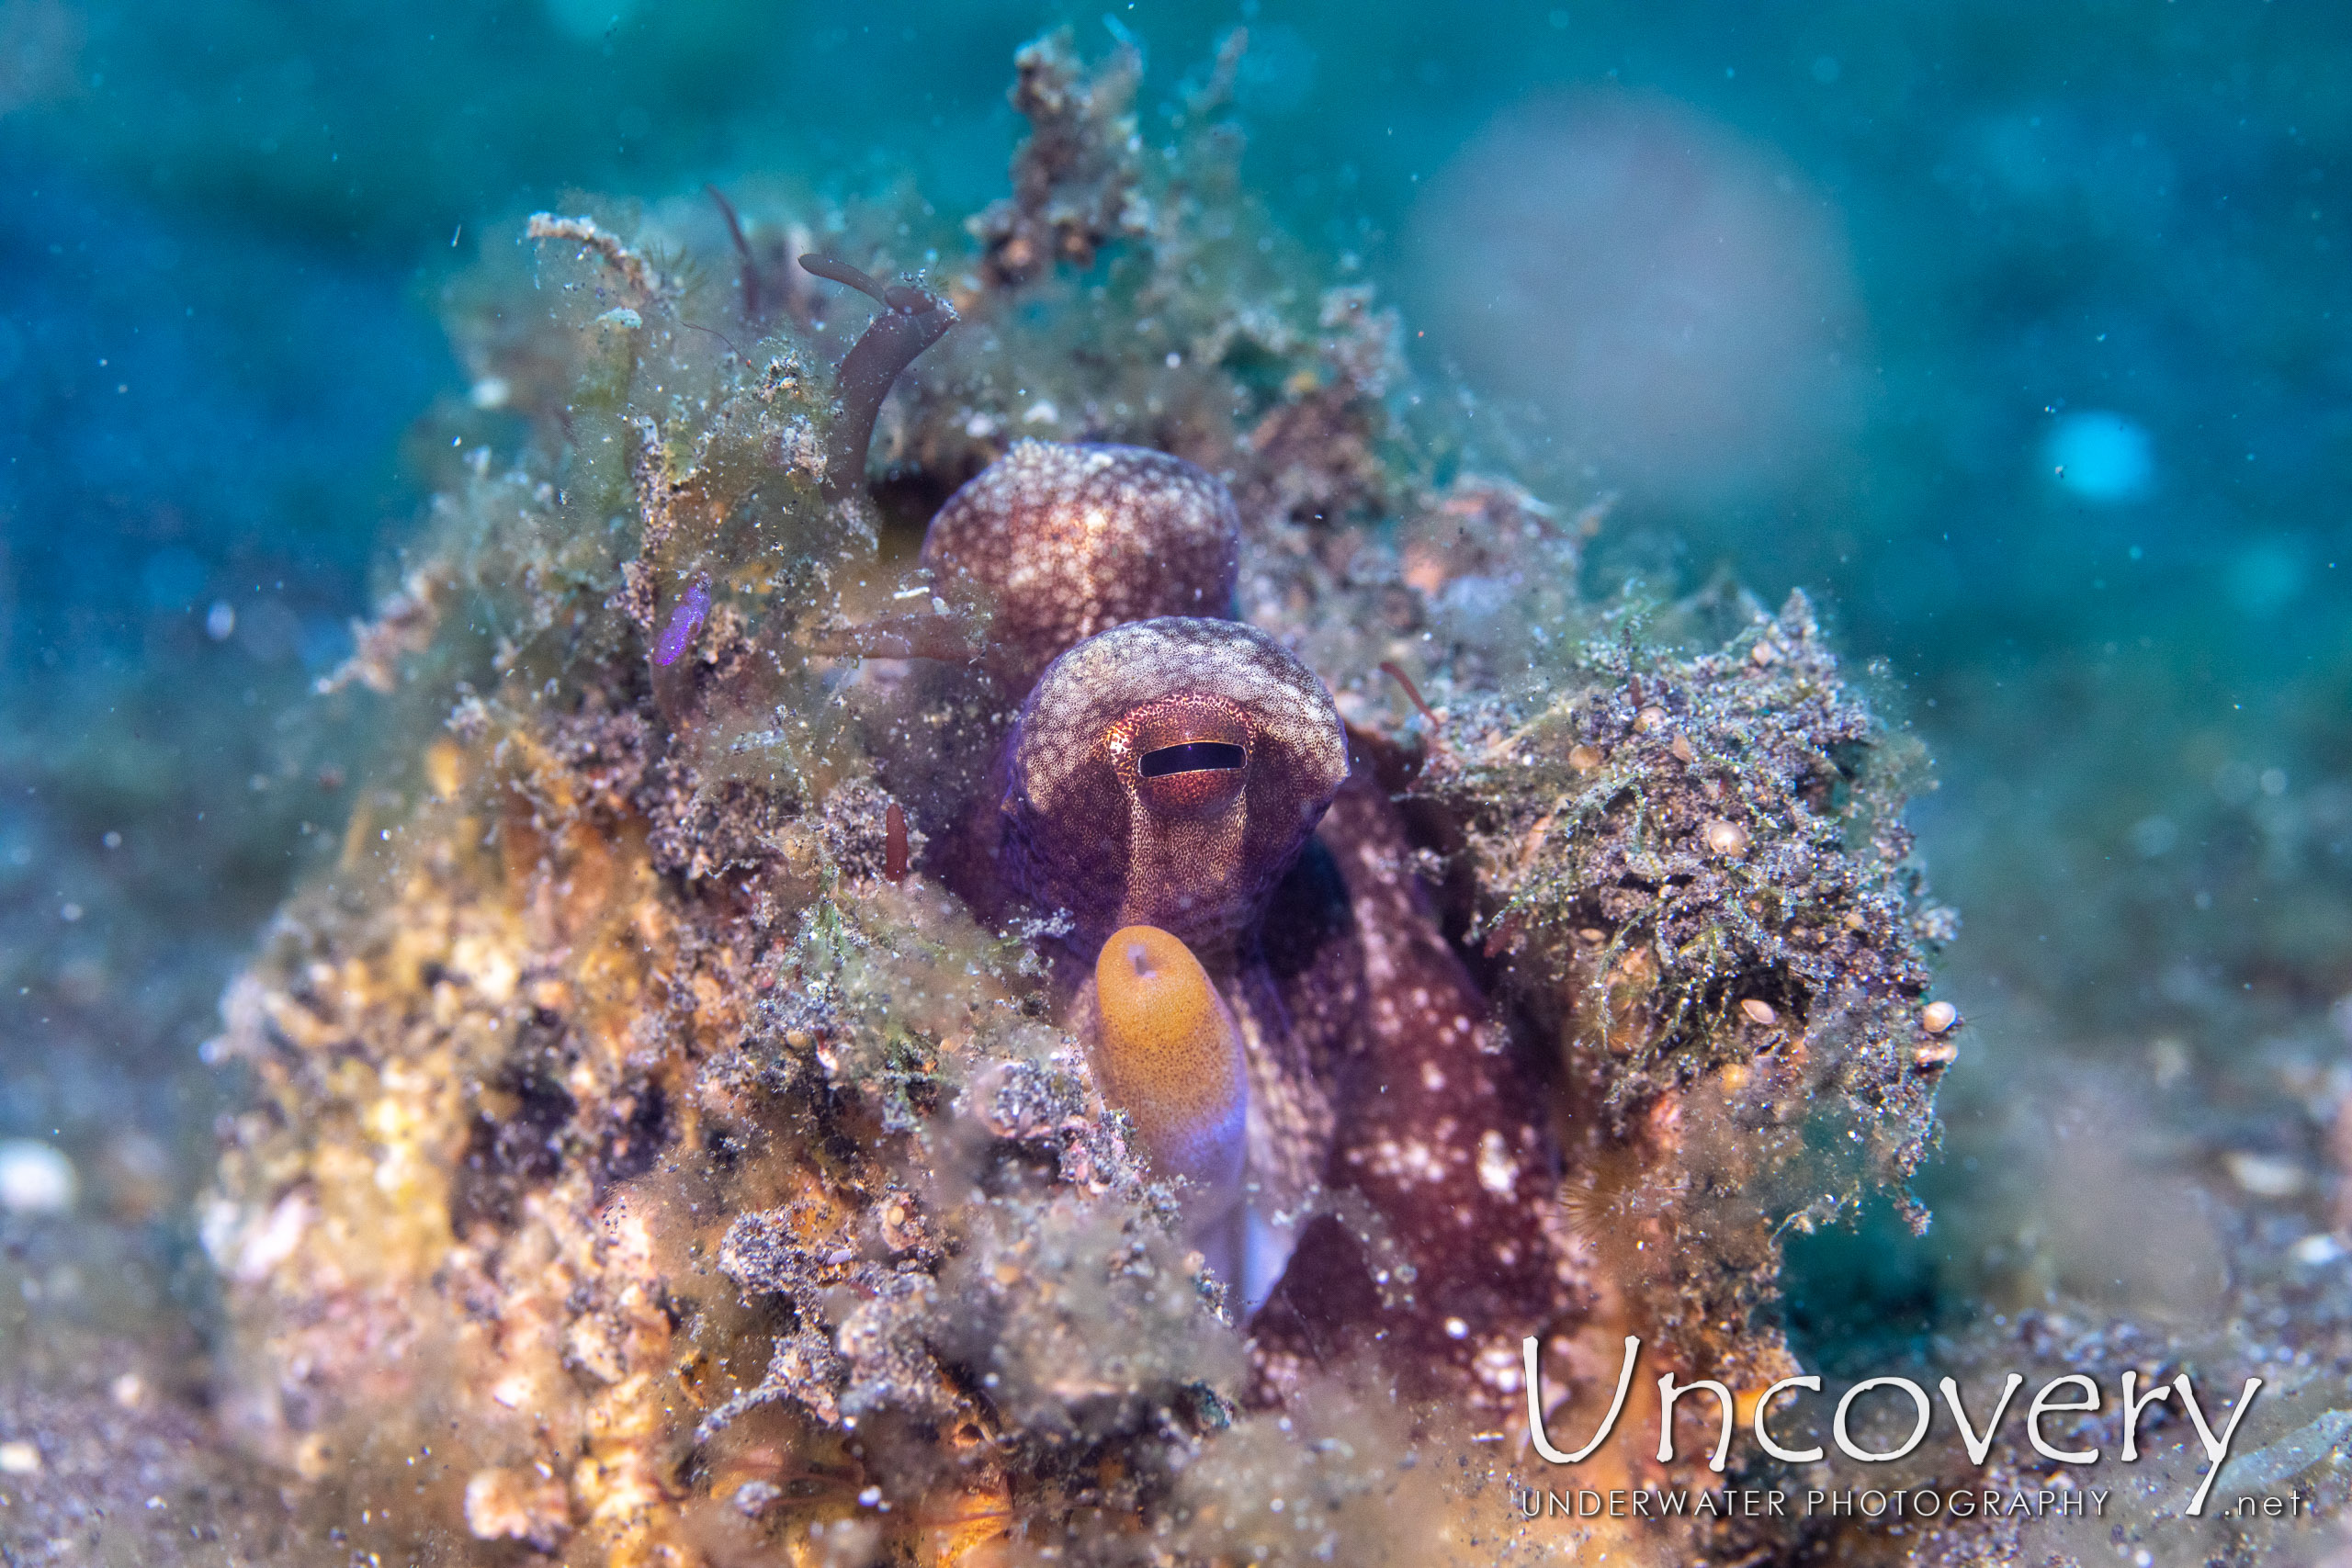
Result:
1188,753
1064,541
1166,773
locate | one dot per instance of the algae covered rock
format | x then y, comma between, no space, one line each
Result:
674,1135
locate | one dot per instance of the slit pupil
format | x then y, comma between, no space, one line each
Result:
1194,757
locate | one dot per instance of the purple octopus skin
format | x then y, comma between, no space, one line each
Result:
1063,541
1439,1124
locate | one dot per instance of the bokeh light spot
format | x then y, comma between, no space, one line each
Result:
2101,457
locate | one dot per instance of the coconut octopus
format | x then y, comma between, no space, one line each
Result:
1260,980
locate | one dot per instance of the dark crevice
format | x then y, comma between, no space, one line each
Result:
517,1143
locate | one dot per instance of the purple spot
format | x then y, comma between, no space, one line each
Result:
685,621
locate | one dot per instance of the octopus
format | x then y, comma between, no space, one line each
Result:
1260,980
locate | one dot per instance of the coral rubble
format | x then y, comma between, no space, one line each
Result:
675,1136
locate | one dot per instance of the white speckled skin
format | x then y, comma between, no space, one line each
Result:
1064,541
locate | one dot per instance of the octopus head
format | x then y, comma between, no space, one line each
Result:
1064,541
1168,772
